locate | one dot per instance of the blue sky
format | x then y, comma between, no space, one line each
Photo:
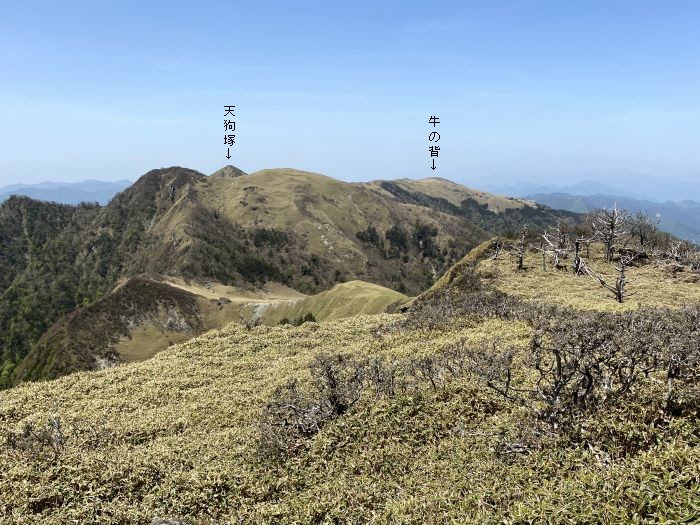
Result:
525,90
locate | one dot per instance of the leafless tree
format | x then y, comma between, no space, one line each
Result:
609,226
578,264
619,288
677,250
497,249
543,252
585,234
643,228
554,244
519,249
694,261
679,254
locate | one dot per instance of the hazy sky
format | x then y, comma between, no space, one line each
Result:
535,90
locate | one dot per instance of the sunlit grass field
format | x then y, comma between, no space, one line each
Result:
177,435
650,285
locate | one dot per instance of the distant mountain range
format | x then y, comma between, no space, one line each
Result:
640,187
682,219
675,204
67,192
179,252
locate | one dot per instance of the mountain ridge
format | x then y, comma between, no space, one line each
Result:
301,229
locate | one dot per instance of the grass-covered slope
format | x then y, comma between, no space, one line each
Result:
489,212
176,435
455,194
343,300
299,213
143,316
651,282
432,416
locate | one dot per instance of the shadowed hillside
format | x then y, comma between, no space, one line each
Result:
142,317
82,339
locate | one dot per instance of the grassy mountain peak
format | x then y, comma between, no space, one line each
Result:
228,171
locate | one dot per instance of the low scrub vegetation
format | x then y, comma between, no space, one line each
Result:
343,421
576,365
511,392
42,442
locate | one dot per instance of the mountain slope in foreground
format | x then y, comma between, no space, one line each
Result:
385,419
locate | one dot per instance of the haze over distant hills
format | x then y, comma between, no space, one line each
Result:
676,205
67,192
681,219
676,202
634,185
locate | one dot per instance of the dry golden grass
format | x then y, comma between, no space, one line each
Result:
343,300
652,284
456,193
182,429
146,341
175,436
325,212
271,304
270,291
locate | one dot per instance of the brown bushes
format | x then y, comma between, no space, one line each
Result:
577,365
297,412
581,363
46,441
